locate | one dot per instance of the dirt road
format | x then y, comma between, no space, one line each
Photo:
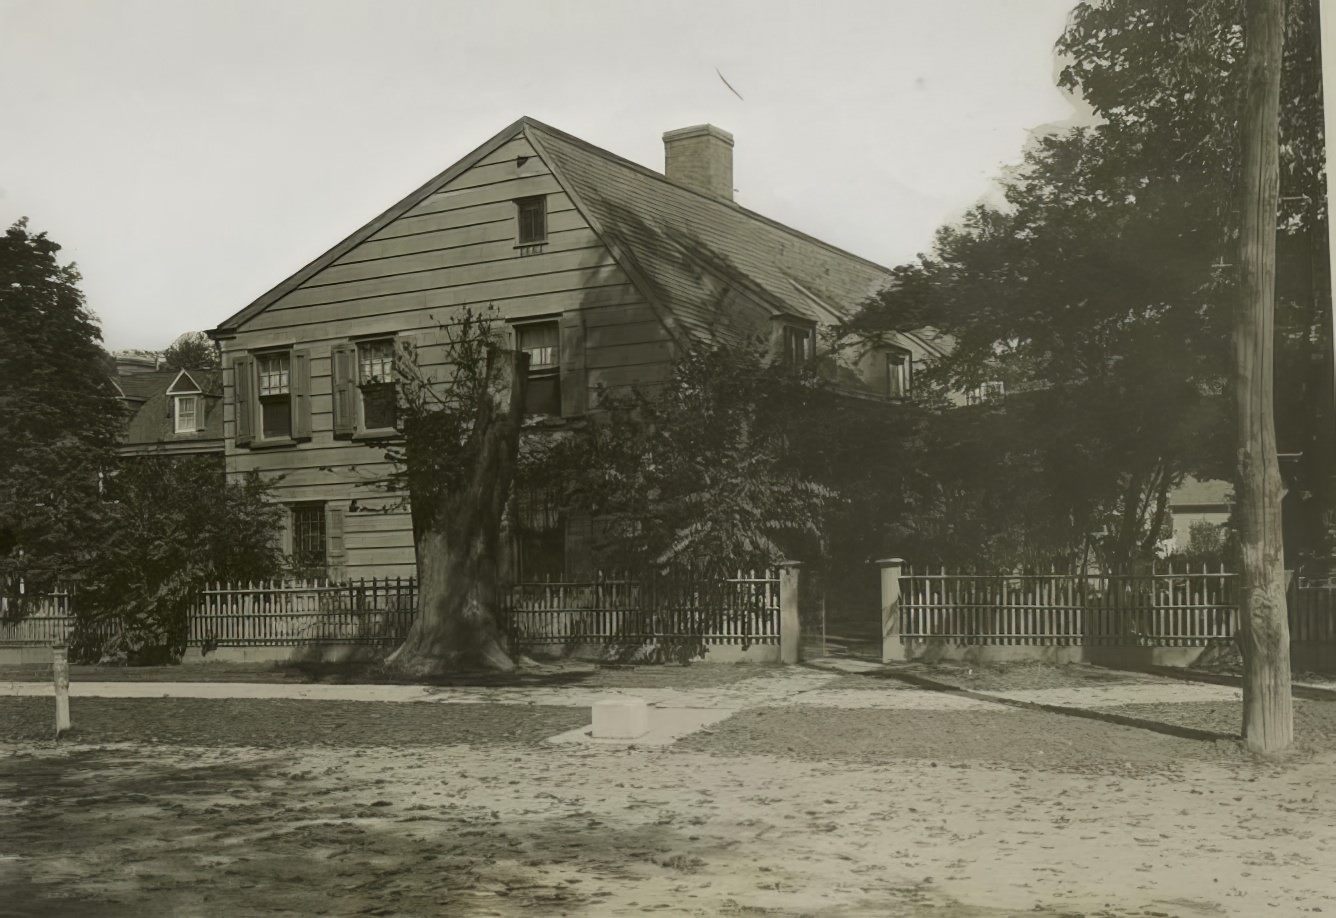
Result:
917,806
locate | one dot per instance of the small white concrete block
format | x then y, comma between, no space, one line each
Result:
621,718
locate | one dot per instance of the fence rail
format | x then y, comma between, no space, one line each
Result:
741,610
1171,608
311,612
36,620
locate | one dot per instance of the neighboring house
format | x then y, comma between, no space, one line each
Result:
1195,502
603,270
171,412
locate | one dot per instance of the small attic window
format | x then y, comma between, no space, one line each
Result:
798,345
187,413
899,373
187,404
531,220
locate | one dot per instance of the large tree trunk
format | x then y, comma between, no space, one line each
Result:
1268,719
458,543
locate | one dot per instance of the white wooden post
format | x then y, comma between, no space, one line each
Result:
60,670
790,624
891,647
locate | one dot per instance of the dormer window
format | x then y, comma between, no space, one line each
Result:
899,373
531,220
797,345
187,404
187,413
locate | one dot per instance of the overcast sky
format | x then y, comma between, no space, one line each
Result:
190,154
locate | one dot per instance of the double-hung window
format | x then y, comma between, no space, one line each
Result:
364,387
186,407
271,398
187,413
375,383
275,390
540,340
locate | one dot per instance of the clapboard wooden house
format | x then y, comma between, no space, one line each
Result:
604,271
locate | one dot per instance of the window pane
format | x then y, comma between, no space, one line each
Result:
274,375
375,362
543,396
276,417
532,214
186,413
378,406
540,343
308,539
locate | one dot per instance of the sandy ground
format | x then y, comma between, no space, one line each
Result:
883,800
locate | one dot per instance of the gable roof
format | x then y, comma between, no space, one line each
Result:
705,264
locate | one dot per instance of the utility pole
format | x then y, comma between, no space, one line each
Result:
1268,712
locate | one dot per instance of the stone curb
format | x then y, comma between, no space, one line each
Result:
1087,713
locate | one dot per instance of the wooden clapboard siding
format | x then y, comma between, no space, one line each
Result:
565,228
370,305
455,248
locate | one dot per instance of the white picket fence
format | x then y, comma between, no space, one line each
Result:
256,614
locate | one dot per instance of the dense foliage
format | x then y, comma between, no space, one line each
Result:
192,351
171,524
734,462
1099,296
60,416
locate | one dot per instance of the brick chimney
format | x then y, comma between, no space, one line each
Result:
700,157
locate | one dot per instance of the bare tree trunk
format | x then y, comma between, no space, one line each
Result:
458,554
1268,718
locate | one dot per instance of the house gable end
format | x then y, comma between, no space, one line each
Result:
233,323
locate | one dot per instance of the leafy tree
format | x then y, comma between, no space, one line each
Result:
171,525
60,416
1169,78
193,351
455,458
706,472
1100,293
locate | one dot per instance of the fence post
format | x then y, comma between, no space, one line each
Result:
60,671
790,624
891,647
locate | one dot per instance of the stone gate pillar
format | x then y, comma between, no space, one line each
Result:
891,647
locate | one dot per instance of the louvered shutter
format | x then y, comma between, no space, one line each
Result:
574,378
301,395
343,369
243,376
337,556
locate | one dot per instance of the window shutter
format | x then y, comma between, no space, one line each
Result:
574,383
343,367
337,556
301,395
243,375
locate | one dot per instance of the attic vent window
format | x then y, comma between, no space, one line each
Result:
531,218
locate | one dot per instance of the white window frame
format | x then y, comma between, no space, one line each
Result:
193,417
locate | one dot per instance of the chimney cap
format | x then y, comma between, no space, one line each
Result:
698,130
